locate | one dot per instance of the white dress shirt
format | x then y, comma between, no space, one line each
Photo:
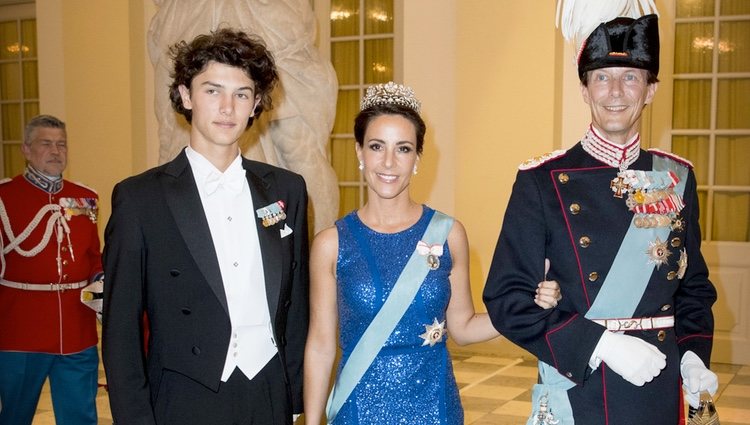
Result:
228,206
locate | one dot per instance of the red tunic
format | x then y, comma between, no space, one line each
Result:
54,322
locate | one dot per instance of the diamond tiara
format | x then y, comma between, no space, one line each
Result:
390,93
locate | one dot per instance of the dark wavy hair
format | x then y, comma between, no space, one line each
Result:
365,116
230,47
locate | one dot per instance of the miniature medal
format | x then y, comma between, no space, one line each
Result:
433,261
433,333
271,213
677,224
682,264
432,252
618,186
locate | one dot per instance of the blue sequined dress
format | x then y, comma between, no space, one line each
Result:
408,382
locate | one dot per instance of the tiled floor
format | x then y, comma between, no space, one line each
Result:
495,388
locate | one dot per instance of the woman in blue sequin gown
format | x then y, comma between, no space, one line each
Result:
355,264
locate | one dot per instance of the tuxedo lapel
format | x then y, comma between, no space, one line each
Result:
269,237
185,204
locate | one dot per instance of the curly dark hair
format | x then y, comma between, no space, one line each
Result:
230,47
363,119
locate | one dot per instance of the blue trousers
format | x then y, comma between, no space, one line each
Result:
73,384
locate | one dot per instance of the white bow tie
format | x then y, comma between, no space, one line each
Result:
232,181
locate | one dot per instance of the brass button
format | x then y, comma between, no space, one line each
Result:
593,276
65,262
562,178
64,249
665,307
671,275
585,241
65,276
675,242
661,336
575,208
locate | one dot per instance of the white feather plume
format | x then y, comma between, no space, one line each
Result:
578,18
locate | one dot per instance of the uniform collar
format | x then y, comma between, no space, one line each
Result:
610,153
42,181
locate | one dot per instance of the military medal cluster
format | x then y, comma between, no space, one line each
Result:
80,206
271,213
651,197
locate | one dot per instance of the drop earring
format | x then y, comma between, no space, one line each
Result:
361,165
415,169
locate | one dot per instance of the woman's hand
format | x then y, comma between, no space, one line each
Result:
547,294
548,291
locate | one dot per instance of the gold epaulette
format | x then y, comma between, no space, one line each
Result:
539,160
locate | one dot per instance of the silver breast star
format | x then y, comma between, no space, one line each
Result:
433,333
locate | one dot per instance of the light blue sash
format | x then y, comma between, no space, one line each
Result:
624,286
618,297
381,327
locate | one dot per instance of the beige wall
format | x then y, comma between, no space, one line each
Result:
429,57
487,83
91,74
489,93
505,111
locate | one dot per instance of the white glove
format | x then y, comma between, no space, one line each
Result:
92,296
634,359
696,377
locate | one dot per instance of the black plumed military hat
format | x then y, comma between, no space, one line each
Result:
622,42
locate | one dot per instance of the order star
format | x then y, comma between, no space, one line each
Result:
433,333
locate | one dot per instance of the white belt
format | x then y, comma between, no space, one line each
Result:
43,286
636,323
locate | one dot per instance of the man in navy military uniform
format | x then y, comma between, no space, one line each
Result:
621,227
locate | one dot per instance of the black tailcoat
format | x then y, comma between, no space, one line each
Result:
159,258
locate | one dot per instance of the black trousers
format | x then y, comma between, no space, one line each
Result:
263,400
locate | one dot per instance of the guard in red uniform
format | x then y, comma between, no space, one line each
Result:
50,252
